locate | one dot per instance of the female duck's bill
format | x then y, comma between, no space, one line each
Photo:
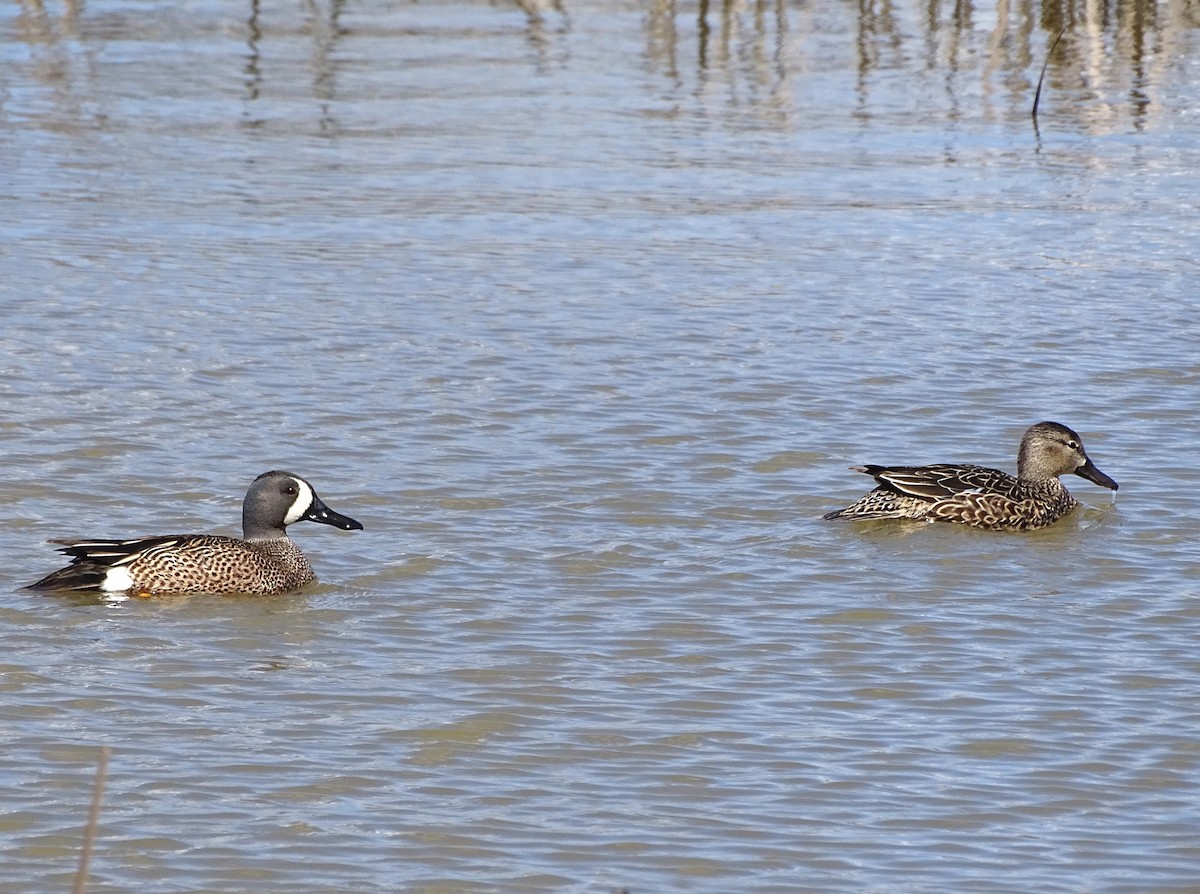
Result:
1089,471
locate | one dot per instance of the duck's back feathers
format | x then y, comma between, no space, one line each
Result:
939,481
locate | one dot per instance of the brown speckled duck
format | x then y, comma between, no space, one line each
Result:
983,497
264,563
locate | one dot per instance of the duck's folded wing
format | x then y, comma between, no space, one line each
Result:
937,482
115,552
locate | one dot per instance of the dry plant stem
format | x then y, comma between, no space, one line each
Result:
89,831
1038,93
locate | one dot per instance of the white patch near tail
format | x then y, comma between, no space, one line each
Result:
300,505
117,579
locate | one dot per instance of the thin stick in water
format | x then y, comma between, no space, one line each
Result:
89,831
1038,93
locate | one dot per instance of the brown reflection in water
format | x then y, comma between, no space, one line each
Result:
662,37
740,50
253,67
537,27
326,31
53,61
1112,68
1116,59
1117,55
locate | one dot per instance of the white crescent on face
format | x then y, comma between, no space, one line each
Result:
304,499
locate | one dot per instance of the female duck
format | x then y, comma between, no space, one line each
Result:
983,497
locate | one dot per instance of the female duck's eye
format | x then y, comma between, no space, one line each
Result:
1074,445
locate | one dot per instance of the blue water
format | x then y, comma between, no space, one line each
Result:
584,313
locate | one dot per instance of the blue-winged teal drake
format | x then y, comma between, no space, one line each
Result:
983,497
264,563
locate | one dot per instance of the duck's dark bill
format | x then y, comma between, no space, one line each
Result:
1089,471
322,514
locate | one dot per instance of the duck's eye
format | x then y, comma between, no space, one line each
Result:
1074,445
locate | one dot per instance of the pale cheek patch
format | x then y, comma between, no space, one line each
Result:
300,506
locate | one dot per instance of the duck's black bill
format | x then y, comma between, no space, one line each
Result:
321,514
1089,471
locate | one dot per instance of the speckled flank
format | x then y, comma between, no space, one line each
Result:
983,497
211,564
267,562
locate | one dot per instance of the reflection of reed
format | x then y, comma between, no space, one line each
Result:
740,49
1116,59
325,30
779,58
54,63
663,37
253,67
536,22
1117,56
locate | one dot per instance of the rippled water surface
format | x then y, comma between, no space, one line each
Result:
583,310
